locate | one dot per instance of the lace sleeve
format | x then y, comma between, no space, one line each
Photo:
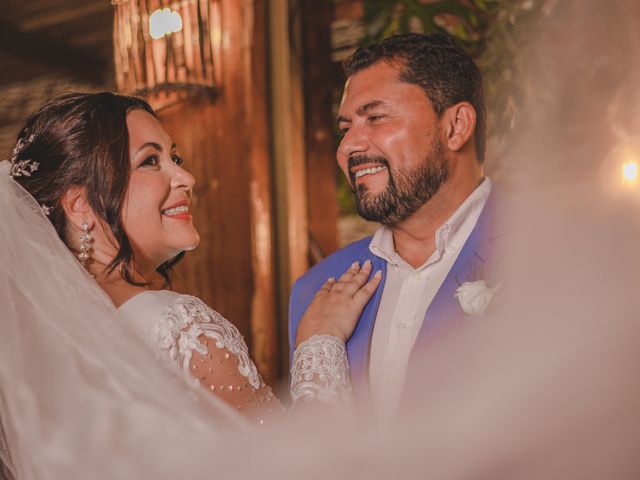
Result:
320,371
212,354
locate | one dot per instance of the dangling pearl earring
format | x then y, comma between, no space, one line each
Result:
85,245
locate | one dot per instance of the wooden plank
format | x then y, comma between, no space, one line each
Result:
287,120
219,270
264,325
319,127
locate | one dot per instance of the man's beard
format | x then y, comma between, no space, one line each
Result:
407,190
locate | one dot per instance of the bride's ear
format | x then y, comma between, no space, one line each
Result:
77,209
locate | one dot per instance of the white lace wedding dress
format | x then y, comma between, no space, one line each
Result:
202,347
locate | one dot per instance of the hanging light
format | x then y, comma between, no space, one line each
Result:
164,22
166,46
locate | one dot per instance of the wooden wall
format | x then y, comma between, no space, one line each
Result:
225,142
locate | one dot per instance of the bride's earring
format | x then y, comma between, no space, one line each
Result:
85,245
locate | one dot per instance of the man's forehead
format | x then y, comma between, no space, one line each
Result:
369,87
378,86
373,75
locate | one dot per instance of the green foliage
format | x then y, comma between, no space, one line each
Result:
465,20
508,39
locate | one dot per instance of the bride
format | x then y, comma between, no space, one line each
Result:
102,170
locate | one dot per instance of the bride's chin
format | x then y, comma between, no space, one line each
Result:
193,244
191,247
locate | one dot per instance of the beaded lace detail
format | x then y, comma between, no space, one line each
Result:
188,318
320,371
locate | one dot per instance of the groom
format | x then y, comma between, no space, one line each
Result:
413,122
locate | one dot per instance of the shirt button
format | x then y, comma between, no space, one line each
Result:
403,327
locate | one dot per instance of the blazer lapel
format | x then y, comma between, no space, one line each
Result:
359,343
474,262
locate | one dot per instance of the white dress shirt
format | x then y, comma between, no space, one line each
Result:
407,294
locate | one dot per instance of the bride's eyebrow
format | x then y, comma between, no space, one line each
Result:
155,145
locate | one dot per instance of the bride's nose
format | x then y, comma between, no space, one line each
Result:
182,179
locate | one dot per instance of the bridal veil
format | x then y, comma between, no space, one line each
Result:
81,395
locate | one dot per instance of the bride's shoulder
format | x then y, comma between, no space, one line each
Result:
162,303
176,324
150,308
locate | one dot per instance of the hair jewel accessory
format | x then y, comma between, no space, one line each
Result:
20,168
45,209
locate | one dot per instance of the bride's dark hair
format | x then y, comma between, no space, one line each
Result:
81,139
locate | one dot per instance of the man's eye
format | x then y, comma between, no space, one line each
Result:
150,161
375,118
177,159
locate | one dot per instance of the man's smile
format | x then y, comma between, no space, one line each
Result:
357,173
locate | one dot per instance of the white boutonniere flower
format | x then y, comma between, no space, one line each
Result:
475,297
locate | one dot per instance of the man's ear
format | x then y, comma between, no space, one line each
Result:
460,123
77,209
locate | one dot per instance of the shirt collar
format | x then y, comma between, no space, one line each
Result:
383,246
468,212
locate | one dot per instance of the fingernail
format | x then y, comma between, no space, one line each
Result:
354,265
367,263
331,279
378,274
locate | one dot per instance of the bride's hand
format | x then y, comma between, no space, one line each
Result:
337,306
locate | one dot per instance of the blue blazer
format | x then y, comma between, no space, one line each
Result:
473,263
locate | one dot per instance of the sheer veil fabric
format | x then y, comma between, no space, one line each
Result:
67,361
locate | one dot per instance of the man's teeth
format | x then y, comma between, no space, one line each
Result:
367,171
176,210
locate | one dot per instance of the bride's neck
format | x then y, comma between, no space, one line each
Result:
119,290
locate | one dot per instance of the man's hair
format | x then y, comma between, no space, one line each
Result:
437,65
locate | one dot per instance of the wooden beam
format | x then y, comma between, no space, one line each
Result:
287,120
265,338
319,126
41,49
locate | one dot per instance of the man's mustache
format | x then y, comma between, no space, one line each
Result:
356,160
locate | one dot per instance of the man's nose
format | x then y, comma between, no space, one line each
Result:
354,141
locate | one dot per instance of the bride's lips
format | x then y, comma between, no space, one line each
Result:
178,211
